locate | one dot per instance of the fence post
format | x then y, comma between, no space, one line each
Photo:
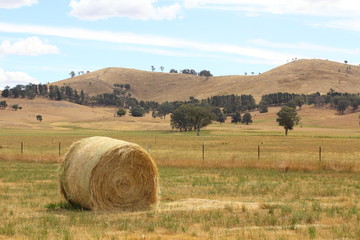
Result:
59,148
258,152
320,154
203,152
22,147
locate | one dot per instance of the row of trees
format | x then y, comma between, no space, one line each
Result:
233,103
3,105
205,73
340,101
52,92
230,104
72,73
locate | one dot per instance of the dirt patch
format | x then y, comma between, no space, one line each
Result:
189,204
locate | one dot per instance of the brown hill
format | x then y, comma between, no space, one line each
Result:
302,76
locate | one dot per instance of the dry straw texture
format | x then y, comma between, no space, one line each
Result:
102,173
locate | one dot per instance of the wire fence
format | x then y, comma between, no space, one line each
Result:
227,151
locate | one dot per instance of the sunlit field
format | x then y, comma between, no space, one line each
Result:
211,149
196,203
224,184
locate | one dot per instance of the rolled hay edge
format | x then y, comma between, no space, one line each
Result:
101,173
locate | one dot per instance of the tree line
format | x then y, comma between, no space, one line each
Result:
189,115
340,101
51,92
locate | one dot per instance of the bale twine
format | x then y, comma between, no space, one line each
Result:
101,173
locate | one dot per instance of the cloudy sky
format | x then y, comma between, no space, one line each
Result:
42,41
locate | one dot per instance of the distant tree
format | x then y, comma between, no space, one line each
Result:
72,74
263,107
355,102
39,118
193,100
15,107
200,117
173,71
164,109
288,118
205,73
345,61
59,96
291,104
219,115
189,71
299,101
52,92
162,68
152,68
179,119
137,111
3,104
127,86
190,116
121,112
15,92
342,105
117,91
236,118
246,118
6,92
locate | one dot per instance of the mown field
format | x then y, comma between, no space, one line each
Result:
248,184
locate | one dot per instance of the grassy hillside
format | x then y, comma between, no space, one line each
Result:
302,76
60,115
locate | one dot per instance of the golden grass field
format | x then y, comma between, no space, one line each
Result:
230,192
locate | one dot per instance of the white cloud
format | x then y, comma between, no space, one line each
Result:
32,46
139,9
347,24
304,46
342,14
13,78
16,3
334,8
148,40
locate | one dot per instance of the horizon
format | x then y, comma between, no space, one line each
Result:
43,42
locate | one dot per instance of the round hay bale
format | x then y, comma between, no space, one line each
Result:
101,173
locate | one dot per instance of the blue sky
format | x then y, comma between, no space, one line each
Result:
42,41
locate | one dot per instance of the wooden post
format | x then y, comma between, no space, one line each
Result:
59,148
258,152
203,152
22,147
320,154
